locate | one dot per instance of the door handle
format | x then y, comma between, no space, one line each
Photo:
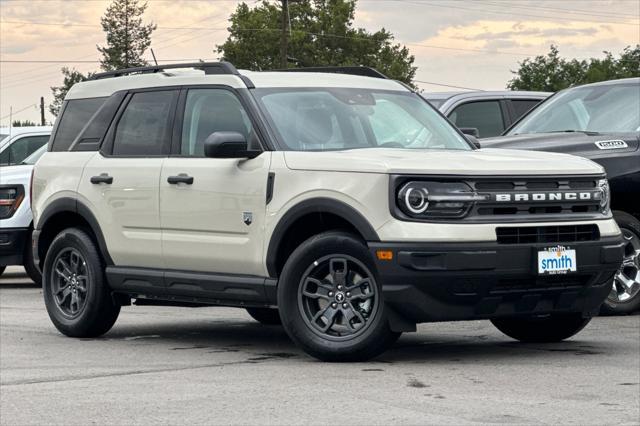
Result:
181,178
102,178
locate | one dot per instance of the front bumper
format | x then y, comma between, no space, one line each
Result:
427,282
12,245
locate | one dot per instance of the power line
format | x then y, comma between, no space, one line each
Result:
19,111
444,85
421,3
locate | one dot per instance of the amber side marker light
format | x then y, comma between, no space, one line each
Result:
384,254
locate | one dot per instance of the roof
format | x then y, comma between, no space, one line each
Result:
27,129
107,86
634,80
486,93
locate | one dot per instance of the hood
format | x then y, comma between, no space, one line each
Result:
15,174
488,162
618,153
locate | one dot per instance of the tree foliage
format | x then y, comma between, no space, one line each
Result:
127,37
23,123
322,34
71,77
552,73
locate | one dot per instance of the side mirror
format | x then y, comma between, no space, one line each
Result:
472,131
228,145
475,142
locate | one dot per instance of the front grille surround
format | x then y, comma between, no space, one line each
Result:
541,205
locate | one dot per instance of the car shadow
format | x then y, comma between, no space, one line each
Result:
272,342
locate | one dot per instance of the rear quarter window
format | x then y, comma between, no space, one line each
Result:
75,115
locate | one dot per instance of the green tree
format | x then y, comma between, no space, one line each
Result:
321,34
552,72
23,123
127,37
71,77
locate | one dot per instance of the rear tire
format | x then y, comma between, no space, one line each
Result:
29,264
625,293
76,294
330,300
266,316
2,268
548,329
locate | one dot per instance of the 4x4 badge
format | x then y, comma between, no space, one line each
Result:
247,218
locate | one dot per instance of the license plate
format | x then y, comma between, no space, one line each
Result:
556,260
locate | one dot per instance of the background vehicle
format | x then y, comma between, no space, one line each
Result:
16,221
346,202
488,112
17,143
601,122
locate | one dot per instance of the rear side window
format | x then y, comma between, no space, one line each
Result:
21,149
486,116
75,116
144,129
522,106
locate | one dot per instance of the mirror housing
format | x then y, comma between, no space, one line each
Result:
228,145
474,141
472,131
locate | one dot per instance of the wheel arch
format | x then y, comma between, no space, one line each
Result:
64,213
313,216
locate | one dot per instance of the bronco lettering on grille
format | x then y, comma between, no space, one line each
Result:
548,196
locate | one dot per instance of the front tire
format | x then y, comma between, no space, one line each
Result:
76,294
546,329
625,292
266,316
330,300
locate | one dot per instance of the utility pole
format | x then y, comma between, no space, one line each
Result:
42,120
284,37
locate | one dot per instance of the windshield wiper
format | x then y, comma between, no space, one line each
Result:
586,132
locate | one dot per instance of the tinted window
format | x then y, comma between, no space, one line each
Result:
522,106
208,111
145,127
486,116
75,116
21,149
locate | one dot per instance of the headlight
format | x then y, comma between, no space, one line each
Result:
605,195
10,199
425,200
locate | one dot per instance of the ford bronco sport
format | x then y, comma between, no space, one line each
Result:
342,205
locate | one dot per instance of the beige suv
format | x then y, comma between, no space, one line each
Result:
337,202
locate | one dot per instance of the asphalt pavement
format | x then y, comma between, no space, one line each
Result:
217,366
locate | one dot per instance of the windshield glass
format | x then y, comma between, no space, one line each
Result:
602,109
327,119
33,158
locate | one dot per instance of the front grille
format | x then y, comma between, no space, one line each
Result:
547,234
537,198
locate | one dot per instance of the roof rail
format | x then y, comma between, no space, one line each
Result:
352,70
207,67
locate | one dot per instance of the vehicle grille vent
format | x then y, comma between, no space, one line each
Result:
547,234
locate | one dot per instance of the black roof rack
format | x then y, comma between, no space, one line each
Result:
352,70
208,67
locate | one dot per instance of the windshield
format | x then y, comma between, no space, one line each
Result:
601,109
327,119
33,158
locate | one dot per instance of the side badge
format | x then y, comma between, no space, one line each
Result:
247,218
613,144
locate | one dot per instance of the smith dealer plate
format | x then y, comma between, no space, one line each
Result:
557,260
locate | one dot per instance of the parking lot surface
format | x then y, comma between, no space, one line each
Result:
217,366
